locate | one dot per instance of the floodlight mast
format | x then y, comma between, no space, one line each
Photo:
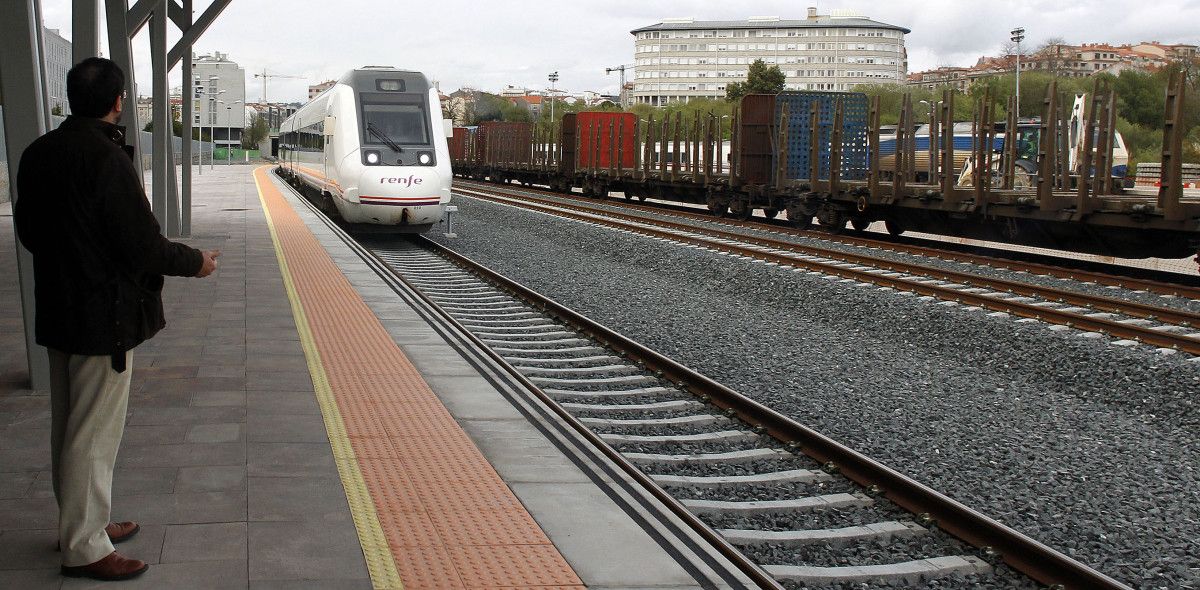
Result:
1018,35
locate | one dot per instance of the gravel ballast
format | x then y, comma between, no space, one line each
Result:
1088,447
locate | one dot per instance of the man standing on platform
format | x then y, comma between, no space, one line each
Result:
98,263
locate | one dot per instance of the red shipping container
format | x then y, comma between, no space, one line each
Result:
458,145
599,131
503,143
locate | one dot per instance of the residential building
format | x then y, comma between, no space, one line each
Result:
316,89
1063,60
58,62
530,102
219,87
683,59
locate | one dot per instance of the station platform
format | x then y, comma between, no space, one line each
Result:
300,425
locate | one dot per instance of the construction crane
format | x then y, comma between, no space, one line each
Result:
621,92
264,75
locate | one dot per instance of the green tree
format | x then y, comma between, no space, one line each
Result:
255,133
761,79
176,128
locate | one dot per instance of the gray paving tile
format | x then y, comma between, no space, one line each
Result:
14,484
186,415
286,428
611,533
144,480
23,436
471,397
281,403
305,550
204,542
437,359
29,549
153,434
296,499
321,584
211,478
184,454
520,453
214,433
28,513
290,460
278,380
219,398
28,579
182,508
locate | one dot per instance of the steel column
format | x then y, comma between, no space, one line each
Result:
161,113
188,90
120,50
24,93
85,30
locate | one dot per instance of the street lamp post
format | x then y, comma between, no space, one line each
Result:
553,80
229,132
1018,35
212,135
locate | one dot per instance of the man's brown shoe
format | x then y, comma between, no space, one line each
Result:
119,532
113,567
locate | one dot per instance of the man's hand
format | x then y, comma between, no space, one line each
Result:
210,263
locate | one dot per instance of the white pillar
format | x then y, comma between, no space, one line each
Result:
22,85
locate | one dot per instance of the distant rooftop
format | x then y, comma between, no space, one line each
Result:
840,18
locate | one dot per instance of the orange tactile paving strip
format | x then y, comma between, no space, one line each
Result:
448,518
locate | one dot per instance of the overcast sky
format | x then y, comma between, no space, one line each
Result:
489,45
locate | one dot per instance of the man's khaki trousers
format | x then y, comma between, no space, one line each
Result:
87,406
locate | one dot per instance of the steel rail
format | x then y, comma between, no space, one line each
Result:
1023,553
1125,282
559,312
1081,321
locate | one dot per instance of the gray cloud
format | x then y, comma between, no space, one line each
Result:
491,44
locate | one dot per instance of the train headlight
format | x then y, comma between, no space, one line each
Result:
425,158
372,157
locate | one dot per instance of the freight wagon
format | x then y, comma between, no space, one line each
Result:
818,156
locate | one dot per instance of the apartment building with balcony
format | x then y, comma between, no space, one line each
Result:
678,60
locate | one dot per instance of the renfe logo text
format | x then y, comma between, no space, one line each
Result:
410,181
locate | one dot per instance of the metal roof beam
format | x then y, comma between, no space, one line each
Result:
193,32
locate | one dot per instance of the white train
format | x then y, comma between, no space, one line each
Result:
372,149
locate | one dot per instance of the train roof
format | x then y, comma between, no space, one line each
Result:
364,78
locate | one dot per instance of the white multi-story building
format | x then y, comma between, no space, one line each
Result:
58,63
219,96
315,89
683,59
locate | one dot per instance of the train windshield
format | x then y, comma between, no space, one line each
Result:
402,123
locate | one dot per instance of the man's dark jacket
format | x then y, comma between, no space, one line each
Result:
98,255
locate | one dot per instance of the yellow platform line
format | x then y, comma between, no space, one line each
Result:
380,564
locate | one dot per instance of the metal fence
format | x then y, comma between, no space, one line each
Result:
200,150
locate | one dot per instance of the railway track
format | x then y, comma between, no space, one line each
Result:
1115,280
1131,322
731,466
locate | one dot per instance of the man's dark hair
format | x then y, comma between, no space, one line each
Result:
93,86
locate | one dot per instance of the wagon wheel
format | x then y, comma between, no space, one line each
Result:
770,213
629,196
834,222
893,227
859,224
740,210
799,217
718,209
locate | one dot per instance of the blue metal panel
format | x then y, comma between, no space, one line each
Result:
854,131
